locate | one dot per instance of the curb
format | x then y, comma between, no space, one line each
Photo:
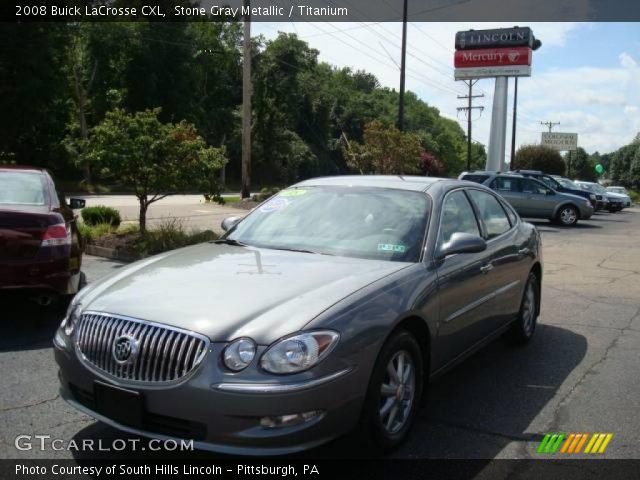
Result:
111,253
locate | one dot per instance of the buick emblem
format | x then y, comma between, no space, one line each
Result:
125,349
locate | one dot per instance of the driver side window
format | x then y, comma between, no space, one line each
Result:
457,217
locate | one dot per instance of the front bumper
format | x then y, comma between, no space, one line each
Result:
225,416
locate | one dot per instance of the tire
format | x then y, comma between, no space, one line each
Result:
524,327
567,216
379,431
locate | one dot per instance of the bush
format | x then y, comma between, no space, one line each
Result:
91,232
170,235
634,195
264,194
100,214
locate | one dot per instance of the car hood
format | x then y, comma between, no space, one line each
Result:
226,292
620,196
570,196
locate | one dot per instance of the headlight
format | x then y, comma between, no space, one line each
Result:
299,352
70,321
239,354
592,196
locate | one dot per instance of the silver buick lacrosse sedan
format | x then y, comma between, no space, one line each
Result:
326,309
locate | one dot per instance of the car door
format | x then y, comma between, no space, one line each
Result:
509,189
463,286
508,260
538,200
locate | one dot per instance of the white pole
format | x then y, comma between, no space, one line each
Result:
498,134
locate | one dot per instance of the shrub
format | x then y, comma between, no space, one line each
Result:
91,232
100,214
634,195
265,193
169,235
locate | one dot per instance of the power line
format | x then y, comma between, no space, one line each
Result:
469,109
550,125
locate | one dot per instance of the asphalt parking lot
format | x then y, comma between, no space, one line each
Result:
580,373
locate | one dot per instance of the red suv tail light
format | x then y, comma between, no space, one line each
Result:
56,235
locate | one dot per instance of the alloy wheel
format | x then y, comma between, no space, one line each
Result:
568,216
397,392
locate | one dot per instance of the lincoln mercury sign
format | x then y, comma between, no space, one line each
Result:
496,38
560,141
492,57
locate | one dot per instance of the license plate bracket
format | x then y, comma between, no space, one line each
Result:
119,404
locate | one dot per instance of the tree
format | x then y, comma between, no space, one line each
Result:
430,165
539,157
155,159
386,150
582,166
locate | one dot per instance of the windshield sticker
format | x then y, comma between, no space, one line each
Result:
275,205
293,192
391,247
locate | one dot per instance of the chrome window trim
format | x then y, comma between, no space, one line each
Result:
491,192
444,199
143,323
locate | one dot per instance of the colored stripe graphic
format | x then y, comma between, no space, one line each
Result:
574,442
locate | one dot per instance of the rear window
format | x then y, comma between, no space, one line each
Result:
477,178
22,188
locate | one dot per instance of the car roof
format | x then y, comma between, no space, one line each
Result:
400,182
25,168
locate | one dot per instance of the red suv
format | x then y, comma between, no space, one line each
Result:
40,245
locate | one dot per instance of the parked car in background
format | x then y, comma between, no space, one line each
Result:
621,191
532,198
601,202
40,245
615,202
362,289
558,186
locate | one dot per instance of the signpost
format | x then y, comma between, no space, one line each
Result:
560,141
496,53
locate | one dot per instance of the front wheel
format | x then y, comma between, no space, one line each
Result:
523,328
568,216
394,392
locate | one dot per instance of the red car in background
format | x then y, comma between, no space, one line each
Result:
40,245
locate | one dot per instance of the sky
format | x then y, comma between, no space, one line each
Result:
585,76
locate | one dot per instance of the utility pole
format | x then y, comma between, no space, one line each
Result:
550,125
513,126
246,106
469,109
403,63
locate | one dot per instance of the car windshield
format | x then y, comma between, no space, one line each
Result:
21,188
362,222
565,182
548,181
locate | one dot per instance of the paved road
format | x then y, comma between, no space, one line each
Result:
579,374
191,210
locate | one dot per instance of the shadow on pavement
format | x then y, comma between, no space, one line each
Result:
26,326
474,411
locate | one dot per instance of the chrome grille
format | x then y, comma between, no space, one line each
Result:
163,354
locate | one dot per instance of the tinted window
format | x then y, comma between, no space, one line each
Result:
503,184
363,222
477,178
457,217
491,212
22,188
531,186
549,181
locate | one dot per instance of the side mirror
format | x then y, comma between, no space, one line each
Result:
229,222
461,243
76,203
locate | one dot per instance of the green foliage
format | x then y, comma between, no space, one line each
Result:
156,159
624,165
539,157
93,232
634,195
582,166
100,214
170,235
385,150
265,193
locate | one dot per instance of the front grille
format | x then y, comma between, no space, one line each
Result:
160,353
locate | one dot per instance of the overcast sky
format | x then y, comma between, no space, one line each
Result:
585,75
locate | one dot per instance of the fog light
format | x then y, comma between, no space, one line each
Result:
290,420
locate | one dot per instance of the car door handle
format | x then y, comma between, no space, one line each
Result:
486,268
523,251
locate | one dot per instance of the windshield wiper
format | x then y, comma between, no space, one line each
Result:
230,241
301,250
